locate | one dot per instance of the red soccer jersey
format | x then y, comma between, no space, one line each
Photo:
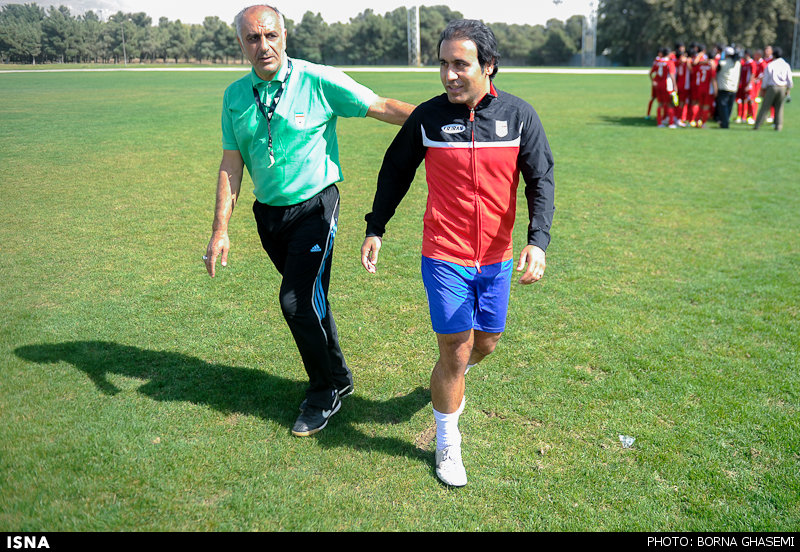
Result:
748,73
703,74
759,66
654,68
762,65
662,73
683,75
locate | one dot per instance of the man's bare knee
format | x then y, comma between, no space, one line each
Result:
485,343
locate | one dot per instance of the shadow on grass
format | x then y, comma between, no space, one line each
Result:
229,389
629,121
642,122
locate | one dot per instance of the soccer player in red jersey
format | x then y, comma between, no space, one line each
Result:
767,54
703,88
683,79
717,54
758,57
663,76
652,89
745,95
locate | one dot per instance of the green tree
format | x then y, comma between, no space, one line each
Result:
339,51
574,30
179,42
123,37
91,29
372,40
212,39
398,21
227,43
538,36
514,42
632,30
557,48
432,21
60,36
309,40
160,38
21,32
154,43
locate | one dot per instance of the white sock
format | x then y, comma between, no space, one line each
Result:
447,433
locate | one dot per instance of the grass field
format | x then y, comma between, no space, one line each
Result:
136,393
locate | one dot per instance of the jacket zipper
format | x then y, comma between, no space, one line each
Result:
475,189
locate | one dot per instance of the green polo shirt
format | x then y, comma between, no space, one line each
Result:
304,141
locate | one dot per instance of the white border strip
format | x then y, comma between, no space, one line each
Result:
525,70
541,70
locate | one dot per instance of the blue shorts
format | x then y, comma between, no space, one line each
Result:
461,298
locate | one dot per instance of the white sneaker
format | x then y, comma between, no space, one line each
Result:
449,466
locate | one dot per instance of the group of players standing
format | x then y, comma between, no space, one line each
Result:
684,84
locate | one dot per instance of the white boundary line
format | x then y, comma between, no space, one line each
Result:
525,70
541,70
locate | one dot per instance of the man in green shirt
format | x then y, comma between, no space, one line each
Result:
280,122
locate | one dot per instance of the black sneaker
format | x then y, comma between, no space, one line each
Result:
343,392
313,419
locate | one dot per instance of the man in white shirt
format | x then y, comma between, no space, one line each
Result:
777,81
728,72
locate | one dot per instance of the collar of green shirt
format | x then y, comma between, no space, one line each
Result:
280,76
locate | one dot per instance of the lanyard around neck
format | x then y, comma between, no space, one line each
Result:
268,113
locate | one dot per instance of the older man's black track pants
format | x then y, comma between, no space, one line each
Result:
299,241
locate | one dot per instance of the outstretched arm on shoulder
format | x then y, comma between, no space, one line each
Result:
389,110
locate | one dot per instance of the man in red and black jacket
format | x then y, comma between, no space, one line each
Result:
476,142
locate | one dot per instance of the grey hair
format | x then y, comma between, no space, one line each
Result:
237,21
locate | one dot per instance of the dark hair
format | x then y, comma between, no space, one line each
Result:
477,32
777,52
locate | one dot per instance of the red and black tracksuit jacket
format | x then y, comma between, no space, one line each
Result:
473,162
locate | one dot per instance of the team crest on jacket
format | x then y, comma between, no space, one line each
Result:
501,128
453,128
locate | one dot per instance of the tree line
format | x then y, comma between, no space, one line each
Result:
628,31
631,31
31,34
